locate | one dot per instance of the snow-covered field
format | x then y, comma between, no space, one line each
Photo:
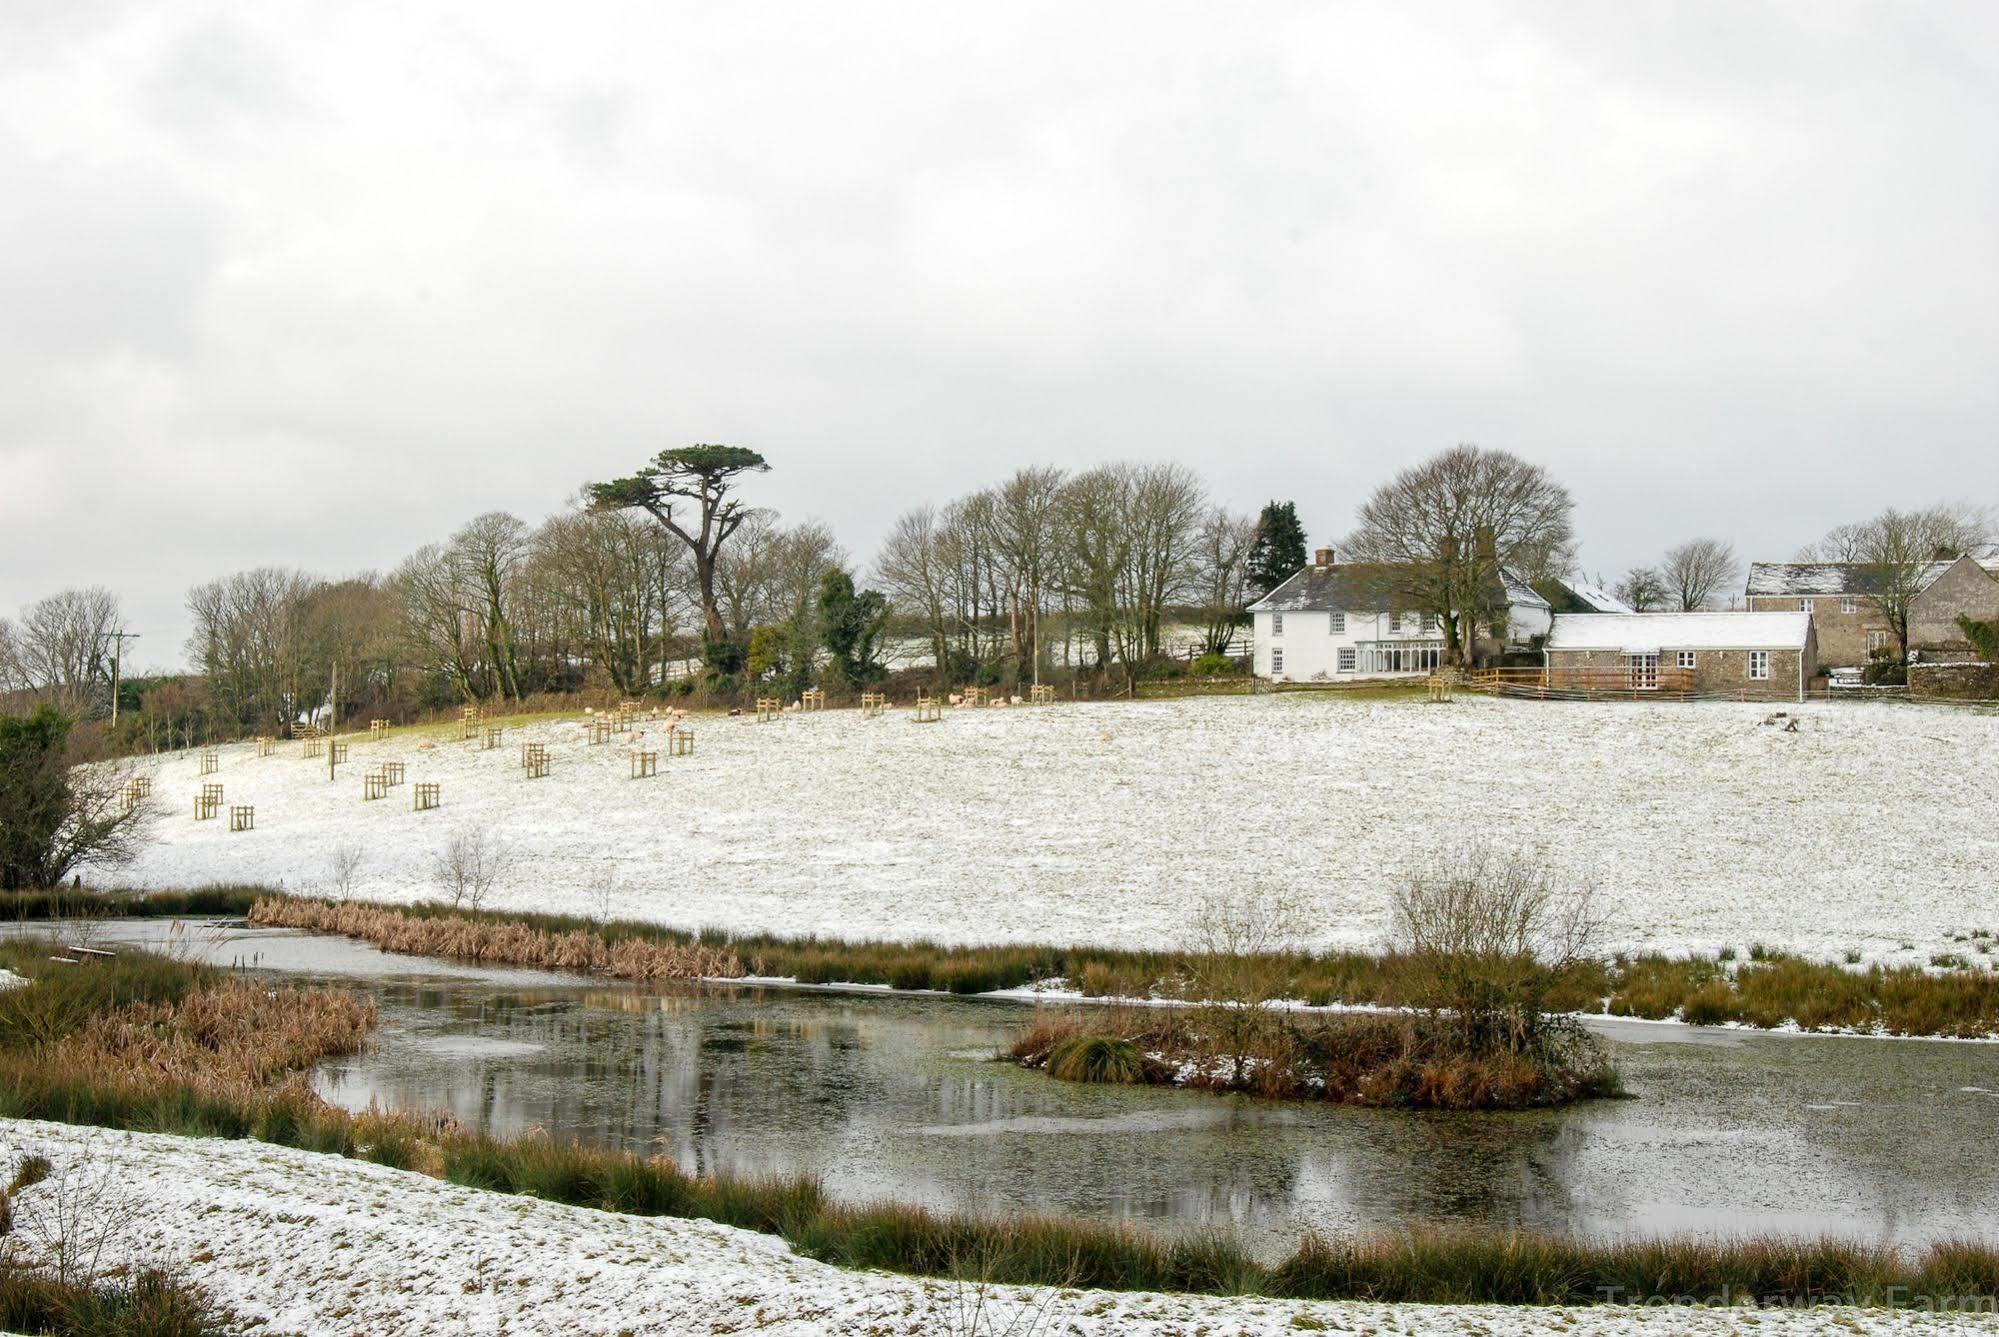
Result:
316,1244
1872,827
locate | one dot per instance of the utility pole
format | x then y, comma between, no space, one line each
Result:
117,658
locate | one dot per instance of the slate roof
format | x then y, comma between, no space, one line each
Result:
1803,578
1360,587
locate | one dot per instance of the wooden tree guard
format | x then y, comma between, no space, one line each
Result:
1041,694
212,791
311,747
601,729
392,772
534,760
679,742
768,708
374,785
813,698
872,704
339,754
424,796
976,696
644,764
141,785
1441,685
537,769
205,807
134,791
377,727
242,817
929,710
210,763
266,745
490,741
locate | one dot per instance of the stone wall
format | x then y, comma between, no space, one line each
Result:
1955,682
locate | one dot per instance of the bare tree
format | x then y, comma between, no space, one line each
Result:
1696,570
489,554
1897,552
247,641
914,571
1643,589
62,647
1443,530
12,677
1026,540
1222,578
469,865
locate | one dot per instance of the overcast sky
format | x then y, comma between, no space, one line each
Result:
311,283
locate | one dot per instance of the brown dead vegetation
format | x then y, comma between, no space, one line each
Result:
500,942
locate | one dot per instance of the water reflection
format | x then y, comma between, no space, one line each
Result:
896,1098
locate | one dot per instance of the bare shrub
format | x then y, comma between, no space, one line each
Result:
468,866
1487,936
1244,941
347,861
604,894
76,1223
1480,902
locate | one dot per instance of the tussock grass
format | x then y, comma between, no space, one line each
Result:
144,1303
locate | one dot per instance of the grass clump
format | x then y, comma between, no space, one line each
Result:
1096,1058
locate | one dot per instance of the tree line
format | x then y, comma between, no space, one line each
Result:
672,580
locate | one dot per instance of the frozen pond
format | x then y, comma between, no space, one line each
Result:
898,1098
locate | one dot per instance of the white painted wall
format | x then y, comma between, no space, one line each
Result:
1311,643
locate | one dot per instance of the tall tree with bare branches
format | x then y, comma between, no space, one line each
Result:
1698,569
1442,531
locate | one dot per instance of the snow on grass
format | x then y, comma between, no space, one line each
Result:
1870,827
316,1244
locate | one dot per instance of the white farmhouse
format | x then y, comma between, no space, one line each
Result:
1333,621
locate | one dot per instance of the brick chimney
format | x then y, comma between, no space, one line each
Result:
1322,557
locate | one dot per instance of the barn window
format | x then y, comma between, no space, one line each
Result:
1644,672
1759,665
1849,605
1686,659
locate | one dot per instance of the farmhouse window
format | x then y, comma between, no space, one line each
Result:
1759,665
1346,659
1877,641
1644,672
1686,659
1336,623
1276,660
1277,624
1804,605
1849,605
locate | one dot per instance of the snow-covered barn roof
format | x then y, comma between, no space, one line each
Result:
1646,632
1597,597
1803,578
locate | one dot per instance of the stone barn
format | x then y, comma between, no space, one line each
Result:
1753,656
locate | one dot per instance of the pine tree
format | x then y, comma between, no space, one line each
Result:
1279,550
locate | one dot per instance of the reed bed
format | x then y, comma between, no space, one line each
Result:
1773,990
501,942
